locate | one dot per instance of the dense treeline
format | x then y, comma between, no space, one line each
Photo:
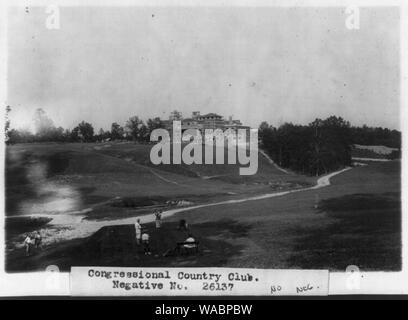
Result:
320,147
376,136
134,129
323,145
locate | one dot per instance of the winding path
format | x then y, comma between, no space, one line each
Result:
72,226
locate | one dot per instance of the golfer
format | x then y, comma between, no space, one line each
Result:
145,242
37,240
28,242
158,219
138,228
183,225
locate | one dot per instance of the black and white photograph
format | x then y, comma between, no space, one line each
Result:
234,137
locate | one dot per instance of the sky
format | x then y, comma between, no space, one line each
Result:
279,65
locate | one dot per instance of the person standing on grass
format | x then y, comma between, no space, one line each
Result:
28,242
145,242
158,219
183,225
37,240
138,228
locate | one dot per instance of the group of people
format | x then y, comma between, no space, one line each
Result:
32,240
142,236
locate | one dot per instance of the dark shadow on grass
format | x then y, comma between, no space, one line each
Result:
16,181
18,225
364,230
116,246
57,163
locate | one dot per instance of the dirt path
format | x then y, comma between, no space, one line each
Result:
370,159
73,226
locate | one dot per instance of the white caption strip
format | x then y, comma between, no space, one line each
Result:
112,281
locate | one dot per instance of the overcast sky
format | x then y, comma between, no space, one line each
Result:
276,64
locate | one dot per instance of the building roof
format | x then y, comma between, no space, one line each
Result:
211,115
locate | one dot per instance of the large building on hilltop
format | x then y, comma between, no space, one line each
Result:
202,122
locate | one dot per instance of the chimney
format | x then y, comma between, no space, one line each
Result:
230,119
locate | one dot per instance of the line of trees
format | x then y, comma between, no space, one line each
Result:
321,146
376,136
45,131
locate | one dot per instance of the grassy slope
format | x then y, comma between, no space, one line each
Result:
356,222
289,232
224,172
103,171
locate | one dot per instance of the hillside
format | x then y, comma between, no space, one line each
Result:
50,177
354,221
139,154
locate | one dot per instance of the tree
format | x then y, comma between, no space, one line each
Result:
83,132
144,133
117,132
56,134
102,135
153,124
20,136
320,147
135,128
74,135
66,135
376,136
264,130
7,123
43,125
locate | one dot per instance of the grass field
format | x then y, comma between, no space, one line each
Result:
93,173
356,220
